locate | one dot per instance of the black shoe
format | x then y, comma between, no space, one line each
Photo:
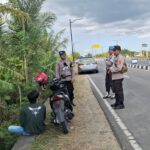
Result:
106,96
119,107
112,97
114,105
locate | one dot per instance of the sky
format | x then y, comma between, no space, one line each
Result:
107,22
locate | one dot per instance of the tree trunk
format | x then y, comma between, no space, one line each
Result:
25,68
20,96
25,57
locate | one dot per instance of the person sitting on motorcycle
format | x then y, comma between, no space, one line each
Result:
65,72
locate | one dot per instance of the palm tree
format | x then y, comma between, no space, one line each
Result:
8,9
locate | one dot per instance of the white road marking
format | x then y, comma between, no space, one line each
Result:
126,76
128,134
139,67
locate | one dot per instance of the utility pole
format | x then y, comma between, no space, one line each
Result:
72,46
71,35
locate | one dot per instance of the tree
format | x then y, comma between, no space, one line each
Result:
76,55
127,52
8,9
28,45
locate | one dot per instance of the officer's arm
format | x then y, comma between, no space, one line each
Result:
57,69
109,63
118,67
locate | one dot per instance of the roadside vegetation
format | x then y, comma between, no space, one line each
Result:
128,54
125,52
28,45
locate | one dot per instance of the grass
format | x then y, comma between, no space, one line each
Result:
50,139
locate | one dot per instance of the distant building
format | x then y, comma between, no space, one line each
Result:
138,54
142,54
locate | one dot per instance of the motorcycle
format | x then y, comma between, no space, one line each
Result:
62,110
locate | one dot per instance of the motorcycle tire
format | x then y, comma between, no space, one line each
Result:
71,116
65,127
68,105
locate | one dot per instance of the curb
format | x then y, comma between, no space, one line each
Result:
24,143
139,66
124,137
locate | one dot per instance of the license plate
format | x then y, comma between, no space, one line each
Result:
88,63
58,106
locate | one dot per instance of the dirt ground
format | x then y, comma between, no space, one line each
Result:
89,130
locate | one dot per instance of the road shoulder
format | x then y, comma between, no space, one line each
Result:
90,129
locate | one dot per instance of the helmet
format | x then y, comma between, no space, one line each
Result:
111,48
41,78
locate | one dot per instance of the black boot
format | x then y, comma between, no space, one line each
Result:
114,105
119,107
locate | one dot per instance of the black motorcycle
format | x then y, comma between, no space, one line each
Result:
62,110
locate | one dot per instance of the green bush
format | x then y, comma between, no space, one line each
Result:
28,47
10,116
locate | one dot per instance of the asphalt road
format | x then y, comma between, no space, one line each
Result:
144,62
136,115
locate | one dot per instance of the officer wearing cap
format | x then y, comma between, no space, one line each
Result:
117,78
108,78
64,71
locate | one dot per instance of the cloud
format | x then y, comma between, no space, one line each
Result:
115,16
3,1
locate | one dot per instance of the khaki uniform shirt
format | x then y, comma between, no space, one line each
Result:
65,70
117,67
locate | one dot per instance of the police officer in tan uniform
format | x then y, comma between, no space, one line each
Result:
117,78
64,71
108,79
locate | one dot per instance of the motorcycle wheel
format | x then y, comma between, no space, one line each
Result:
65,127
71,116
68,105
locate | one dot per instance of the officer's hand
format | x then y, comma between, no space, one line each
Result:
73,80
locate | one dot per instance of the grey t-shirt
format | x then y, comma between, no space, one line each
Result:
32,118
